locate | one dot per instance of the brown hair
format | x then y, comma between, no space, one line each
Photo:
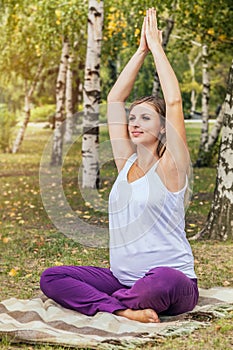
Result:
159,105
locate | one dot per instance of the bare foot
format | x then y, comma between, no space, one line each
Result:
145,316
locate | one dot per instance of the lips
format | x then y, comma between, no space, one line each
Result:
136,133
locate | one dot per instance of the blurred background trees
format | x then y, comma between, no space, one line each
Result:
32,34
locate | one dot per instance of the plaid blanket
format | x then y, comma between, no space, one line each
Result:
41,320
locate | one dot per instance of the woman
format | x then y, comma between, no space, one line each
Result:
151,264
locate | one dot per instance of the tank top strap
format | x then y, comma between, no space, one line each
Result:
155,165
129,162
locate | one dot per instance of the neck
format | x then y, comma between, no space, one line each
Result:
146,157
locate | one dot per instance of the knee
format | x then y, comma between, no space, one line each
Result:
46,281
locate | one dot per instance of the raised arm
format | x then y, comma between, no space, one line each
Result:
176,154
117,121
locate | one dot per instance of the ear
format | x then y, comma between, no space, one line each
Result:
162,130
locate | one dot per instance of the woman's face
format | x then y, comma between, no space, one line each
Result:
144,124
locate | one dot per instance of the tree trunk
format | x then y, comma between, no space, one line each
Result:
27,108
193,98
166,35
69,102
56,157
91,97
203,158
220,219
214,134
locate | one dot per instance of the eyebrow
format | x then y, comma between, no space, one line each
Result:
143,114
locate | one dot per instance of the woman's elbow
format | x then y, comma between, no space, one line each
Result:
112,97
175,101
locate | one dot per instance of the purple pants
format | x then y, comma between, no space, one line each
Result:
90,289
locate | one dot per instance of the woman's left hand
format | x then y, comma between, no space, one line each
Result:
143,47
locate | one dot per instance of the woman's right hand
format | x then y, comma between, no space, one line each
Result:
143,47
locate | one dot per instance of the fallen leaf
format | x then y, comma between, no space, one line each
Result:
13,272
5,239
226,283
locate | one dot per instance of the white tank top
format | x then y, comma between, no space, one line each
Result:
146,223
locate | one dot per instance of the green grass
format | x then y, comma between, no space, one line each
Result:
29,242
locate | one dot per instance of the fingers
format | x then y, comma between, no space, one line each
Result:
144,25
151,17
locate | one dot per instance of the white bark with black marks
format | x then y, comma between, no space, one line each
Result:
192,64
69,102
203,158
220,219
91,96
27,108
205,96
214,134
56,157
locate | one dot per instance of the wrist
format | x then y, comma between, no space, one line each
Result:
142,52
155,47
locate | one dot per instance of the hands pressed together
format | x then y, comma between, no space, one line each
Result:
150,34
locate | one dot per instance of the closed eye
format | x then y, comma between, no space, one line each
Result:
131,117
145,117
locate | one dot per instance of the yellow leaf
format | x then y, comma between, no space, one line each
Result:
13,272
86,216
5,240
210,31
58,13
58,263
137,32
69,215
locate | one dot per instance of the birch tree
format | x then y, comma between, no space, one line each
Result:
91,96
22,56
206,23
69,102
205,108
56,157
29,91
193,98
219,224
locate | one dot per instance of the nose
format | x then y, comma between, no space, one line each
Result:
135,123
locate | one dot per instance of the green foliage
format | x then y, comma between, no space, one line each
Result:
32,30
7,123
42,113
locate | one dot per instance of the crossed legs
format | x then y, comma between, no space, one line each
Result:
89,289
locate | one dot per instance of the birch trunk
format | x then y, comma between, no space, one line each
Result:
27,109
91,97
56,157
193,99
213,136
203,154
220,219
69,102
166,35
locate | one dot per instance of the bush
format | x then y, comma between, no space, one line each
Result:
7,123
42,113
